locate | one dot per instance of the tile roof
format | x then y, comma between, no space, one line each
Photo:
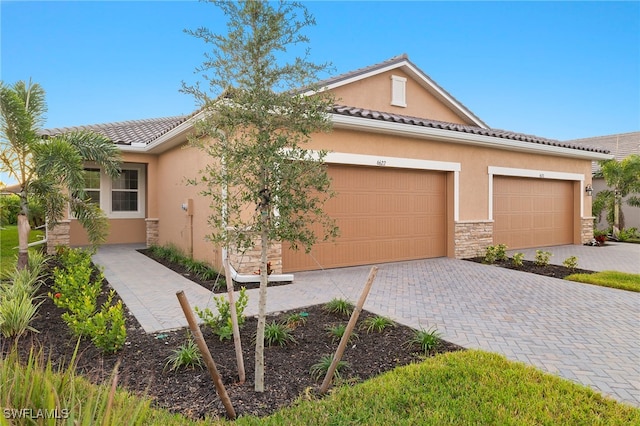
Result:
127,132
416,121
620,145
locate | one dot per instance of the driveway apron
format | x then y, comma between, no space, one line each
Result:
584,333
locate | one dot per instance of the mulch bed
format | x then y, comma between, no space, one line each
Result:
555,271
191,392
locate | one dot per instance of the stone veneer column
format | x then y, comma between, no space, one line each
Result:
58,236
586,229
472,238
249,261
153,231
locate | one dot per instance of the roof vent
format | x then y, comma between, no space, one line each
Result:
398,91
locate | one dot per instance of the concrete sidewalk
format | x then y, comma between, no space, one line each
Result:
584,333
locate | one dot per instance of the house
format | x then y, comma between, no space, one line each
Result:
621,146
417,173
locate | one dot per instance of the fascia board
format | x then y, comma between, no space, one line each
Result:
410,130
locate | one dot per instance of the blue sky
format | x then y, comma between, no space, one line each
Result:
561,70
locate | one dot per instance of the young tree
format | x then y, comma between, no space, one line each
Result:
261,180
623,179
49,170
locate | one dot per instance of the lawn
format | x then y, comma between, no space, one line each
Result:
614,279
9,244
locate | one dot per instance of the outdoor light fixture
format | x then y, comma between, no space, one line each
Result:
589,190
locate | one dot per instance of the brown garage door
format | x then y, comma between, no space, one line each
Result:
384,215
532,212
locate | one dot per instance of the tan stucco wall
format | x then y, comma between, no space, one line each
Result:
121,231
189,233
375,93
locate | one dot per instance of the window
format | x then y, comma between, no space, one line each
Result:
92,184
398,91
122,197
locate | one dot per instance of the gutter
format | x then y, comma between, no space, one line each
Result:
252,278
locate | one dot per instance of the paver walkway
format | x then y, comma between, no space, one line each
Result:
584,333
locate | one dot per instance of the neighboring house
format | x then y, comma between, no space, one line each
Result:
417,173
621,146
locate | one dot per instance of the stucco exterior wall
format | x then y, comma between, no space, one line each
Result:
375,93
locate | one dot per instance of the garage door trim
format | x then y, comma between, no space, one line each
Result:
538,174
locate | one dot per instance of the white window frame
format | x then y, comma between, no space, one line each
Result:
106,189
398,91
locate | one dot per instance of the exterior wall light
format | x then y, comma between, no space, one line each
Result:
589,190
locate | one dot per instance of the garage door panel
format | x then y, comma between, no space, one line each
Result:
384,215
532,212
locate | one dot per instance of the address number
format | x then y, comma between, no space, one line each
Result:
381,162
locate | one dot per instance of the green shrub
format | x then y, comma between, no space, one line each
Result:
107,327
337,331
339,306
571,262
628,234
495,254
517,259
220,323
542,257
277,334
377,324
428,340
186,356
320,369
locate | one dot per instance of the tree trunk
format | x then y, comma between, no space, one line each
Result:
23,241
262,303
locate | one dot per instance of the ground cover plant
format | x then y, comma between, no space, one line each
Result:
615,279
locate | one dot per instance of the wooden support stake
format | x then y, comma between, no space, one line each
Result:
234,322
347,332
204,350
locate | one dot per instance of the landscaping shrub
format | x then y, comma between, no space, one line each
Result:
517,259
428,340
495,254
339,306
542,257
107,327
320,369
277,334
377,324
220,323
337,331
186,355
571,262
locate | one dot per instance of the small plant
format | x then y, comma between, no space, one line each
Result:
542,257
600,236
428,340
320,369
339,306
296,320
220,323
185,356
377,324
337,331
495,254
571,262
16,313
517,259
277,334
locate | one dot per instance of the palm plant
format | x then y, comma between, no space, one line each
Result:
623,179
50,170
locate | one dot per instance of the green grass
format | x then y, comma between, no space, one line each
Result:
613,279
462,388
9,244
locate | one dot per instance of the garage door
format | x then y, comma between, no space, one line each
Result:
532,212
384,215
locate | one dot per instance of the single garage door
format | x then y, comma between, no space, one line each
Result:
532,212
384,215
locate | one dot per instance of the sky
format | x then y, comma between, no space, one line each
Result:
561,70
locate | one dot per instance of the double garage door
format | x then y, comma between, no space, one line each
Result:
384,215
532,212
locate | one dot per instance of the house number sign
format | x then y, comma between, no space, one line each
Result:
381,162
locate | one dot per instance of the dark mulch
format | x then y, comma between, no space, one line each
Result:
192,393
217,285
556,271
